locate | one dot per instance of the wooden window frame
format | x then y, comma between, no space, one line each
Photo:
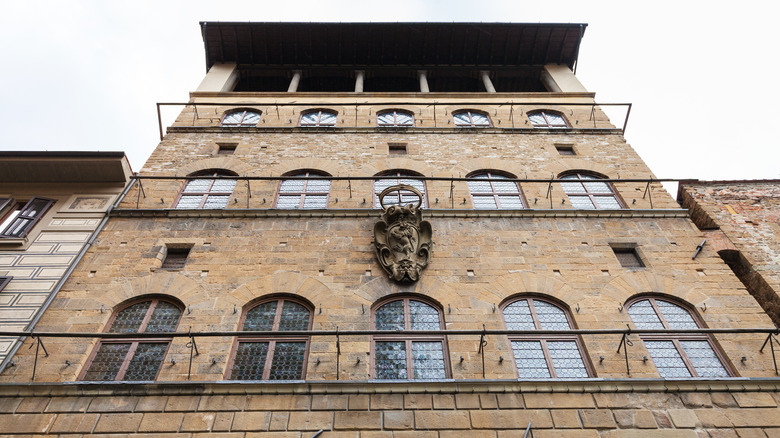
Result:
407,336
240,124
204,196
591,195
272,340
577,339
547,123
318,124
471,123
302,195
134,342
676,338
494,193
31,220
398,175
395,123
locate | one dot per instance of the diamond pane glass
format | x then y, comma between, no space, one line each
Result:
667,359
643,315
261,317
428,360
572,188
551,317
423,316
581,202
165,318
480,186
216,202
607,202
129,319
223,186
566,359
703,358
518,316
292,185
288,361
189,201
198,185
511,202
597,187
318,186
390,360
107,362
530,361
484,202
288,201
390,316
315,201
146,361
504,186
249,361
676,316
294,317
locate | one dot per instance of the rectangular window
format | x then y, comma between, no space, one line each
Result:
21,219
565,149
397,148
628,257
226,148
176,257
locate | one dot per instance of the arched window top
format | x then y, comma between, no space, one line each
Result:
304,193
531,313
547,119
407,313
585,192
403,197
489,190
660,313
211,192
148,316
241,117
277,314
470,119
395,118
318,118
214,172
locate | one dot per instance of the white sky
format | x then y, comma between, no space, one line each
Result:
85,75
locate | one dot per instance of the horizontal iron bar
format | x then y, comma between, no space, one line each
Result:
420,178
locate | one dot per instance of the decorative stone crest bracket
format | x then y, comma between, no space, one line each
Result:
401,238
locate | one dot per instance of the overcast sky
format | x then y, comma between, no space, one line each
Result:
85,75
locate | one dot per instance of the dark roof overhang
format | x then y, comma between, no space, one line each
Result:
63,167
356,45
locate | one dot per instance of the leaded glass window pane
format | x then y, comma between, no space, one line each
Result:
310,118
537,119
667,359
395,118
703,358
288,201
676,316
518,316
511,202
390,316
190,201
589,195
197,185
249,361
480,186
484,202
530,360
129,319
165,318
294,317
303,193
423,316
288,361
550,317
327,119
107,362
223,185
315,201
555,119
390,360
567,360
318,118
428,360
547,119
292,185
261,317
241,118
607,202
146,361
461,119
216,202
644,317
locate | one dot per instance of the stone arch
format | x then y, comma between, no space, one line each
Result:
487,163
431,288
281,282
228,163
625,286
172,284
397,163
557,167
529,282
330,167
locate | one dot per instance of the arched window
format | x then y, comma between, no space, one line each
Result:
272,357
587,195
402,197
400,354
490,191
135,359
470,119
210,192
557,356
241,118
395,118
675,355
547,119
319,117
303,193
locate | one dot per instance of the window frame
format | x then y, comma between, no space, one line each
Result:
495,194
271,339
590,195
214,175
398,175
318,124
548,125
677,337
302,195
408,336
21,207
134,342
241,124
395,113
543,338
471,123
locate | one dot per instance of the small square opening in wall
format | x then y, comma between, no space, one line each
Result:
397,148
226,148
565,149
628,257
175,257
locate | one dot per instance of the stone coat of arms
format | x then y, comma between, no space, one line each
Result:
402,239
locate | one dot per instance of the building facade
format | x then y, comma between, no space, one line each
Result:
389,230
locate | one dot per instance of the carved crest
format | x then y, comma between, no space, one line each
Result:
402,239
